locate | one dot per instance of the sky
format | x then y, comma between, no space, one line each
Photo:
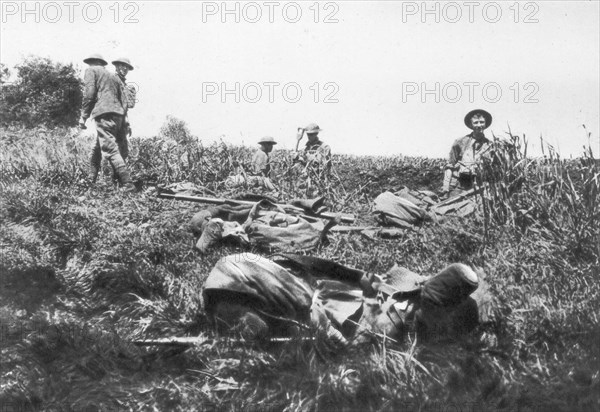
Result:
380,78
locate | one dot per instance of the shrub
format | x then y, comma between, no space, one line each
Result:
45,92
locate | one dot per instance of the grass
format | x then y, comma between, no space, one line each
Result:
84,271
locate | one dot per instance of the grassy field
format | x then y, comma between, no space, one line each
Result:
86,270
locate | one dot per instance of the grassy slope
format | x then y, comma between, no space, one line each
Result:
84,271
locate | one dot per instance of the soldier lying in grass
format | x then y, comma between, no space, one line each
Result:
263,298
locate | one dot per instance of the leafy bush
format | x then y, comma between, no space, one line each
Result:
44,92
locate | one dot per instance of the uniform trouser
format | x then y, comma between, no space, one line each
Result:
112,141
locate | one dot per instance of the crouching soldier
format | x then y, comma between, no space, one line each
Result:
262,298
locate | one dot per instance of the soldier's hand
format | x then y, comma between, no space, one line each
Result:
129,131
300,133
82,124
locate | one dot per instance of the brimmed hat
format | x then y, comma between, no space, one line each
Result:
313,128
217,229
401,280
267,139
199,222
486,116
125,61
95,57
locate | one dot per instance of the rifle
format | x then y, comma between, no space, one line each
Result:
287,208
193,340
461,196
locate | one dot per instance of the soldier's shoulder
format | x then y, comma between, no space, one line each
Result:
324,146
462,141
259,154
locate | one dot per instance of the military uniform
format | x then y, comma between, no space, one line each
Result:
318,153
261,164
105,102
465,154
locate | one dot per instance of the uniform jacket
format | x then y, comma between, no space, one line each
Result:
261,165
318,153
103,93
466,152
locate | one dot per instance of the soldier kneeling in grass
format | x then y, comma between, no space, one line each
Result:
263,298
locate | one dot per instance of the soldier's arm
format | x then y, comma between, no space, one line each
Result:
326,153
455,155
89,94
453,158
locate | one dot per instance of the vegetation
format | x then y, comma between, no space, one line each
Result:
86,270
44,93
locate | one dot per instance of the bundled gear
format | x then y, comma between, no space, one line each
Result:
343,304
264,225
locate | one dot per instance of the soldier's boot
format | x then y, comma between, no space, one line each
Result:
125,178
95,166
95,163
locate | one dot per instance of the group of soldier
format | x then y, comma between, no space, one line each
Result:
459,172
107,99
453,300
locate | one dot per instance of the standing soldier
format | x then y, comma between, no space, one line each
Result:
122,68
106,103
466,152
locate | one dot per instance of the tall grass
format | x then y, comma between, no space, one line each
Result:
84,272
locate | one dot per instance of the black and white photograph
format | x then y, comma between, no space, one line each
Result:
300,206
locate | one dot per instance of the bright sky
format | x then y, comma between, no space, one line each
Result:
370,60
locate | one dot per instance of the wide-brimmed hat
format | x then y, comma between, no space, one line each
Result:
486,116
313,128
401,280
125,61
267,139
95,57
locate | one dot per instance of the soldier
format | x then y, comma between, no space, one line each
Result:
261,164
466,152
122,68
106,103
316,154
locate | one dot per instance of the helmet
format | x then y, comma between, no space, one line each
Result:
95,57
267,139
125,61
312,128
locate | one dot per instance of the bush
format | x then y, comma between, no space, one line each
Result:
44,92
176,129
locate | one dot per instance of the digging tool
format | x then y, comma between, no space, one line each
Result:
301,130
